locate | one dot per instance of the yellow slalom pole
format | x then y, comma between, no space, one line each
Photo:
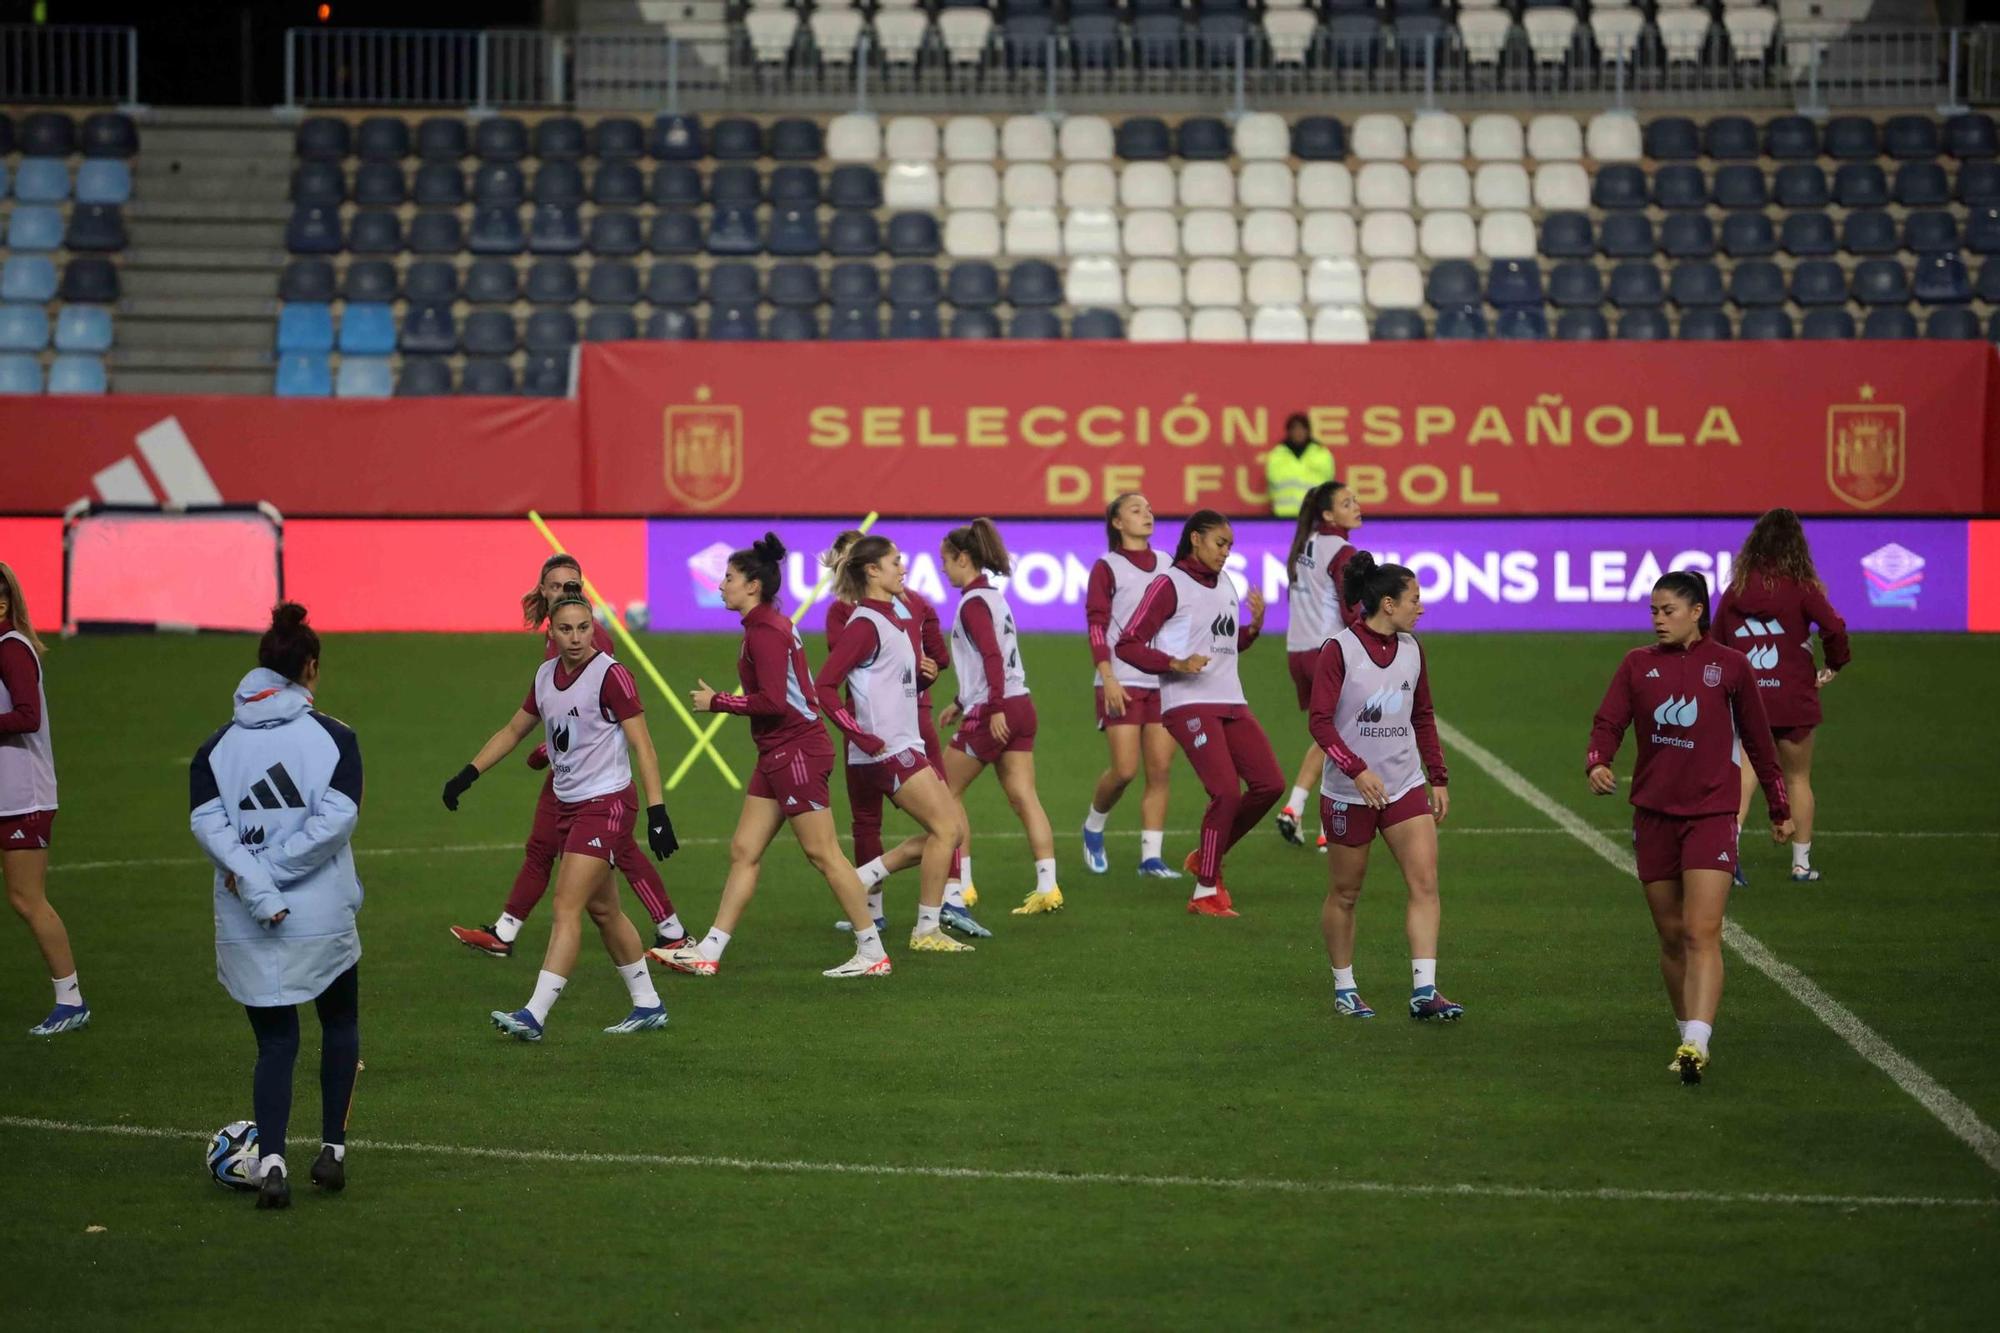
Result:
652,672
715,723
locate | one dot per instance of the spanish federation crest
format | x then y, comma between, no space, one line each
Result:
704,452
1865,450
1711,675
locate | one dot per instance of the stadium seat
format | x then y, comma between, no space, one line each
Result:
1153,325
796,139
1452,282
314,229
1559,186
1673,139
550,282
20,373
733,231
1399,326
1613,136
1680,186
672,325
1035,324
678,185
94,227
424,377
1748,236
1952,322
441,139
1320,139
1881,282
1340,324
1582,326
73,373
1567,236
1988,286
93,280
320,183
1705,325
555,229
1791,139
1437,136
1740,185
1688,236
1826,324
1521,324
28,278
546,374
1731,138
1851,138
500,184
1916,185
379,185
615,233
1982,230
1930,232
41,180
499,139
616,184
611,324
1514,283
1033,283
789,324
319,138
1506,234
733,284
1941,279
853,233
437,185
1097,324
1820,282
979,324
1894,322
1971,135
549,331
305,327
1635,283
303,375
428,326
363,377
375,231
1576,283
1143,139
1091,139
795,231
1626,236
1696,284
367,328
108,134
370,281
1459,324
735,185
793,186
491,282
1335,282
1757,283
1860,185
486,377
23,328
1394,284
974,283
489,333
496,230
1812,233
1800,185
676,138
1643,325
1863,232
1555,138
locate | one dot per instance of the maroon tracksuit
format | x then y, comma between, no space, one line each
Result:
1768,620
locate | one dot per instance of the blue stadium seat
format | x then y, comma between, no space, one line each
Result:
424,377
921,320
975,323
93,280
1740,185
1893,322
1800,185
1748,236
108,134
1673,139
1582,326
976,283
499,183
1852,139
1979,184
500,139
736,139
496,230
439,185
41,180
855,323
1035,324
675,234
492,282
562,183
1452,282
795,231
1820,282
1321,139
615,233
795,187
363,377
104,180
1917,185
1636,283
1514,282
1826,325
1982,230
367,328
28,278
796,140
1932,231
1646,324
555,229
1860,185
1731,138
1521,324
1791,139
617,137
379,185
1881,282
612,282
1144,139
853,233
1399,326
1626,236
1688,236
1697,283
1952,322
549,331
854,284
1618,185
1756,284
676,185
914,235
672,325
83,328
550,282
428,326
486,377
1568,236
23,328
854,186
441,139
1908,138
1971,134
369,280
1941,279
1706,325
1576,283
314,229
610,325
1200,138
1033,283
793,324
794,284
1812,234
303,375
1867,231
319,138
1680,186
305,327
77,373
20,373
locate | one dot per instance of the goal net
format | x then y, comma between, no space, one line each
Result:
144,567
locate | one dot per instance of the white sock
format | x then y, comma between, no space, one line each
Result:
1202,890
1698,1034
1094,822
548,989
927,918
1297,804
875,905
1152,843
1045,875
639,984
671,927
1681,1026
873,873
1423,972
965,868
868,943
339,1150
954,893
507,927
713,943
266,1163
67,991
1801,856
1343,978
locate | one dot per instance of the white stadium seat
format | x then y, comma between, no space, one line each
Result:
911,185
1263,136
1340,324
1500,185
1484,33
1028,139
1033,232
970,139
972,234
1683,33
1156,326
1266,185
1443,185
1028,185
1085,139
1496,138
1326,185
1618,33
1562,185
1089,185
1091,231
1208,231
1555,139
971,185
1271,232
1218,326
964,33
1274,282
1207,185
1278,324
1151,231
835,34
1750,32
910,139
1379,137
1447,235
1094,280
900,33
1154,282
1334,282
1384,185
1329,234
1388,236
1146,185
1437,136
1290,34
771,33
1507,235
1213,282
1551,34
1395,284
855,137
1613,136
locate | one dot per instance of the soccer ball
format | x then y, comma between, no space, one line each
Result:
636,616
232,1155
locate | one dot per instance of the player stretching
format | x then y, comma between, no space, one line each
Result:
794,762
1128,699
592,722
1371,715
532,880
1690,698
28,803
1773,596
1186,630
998,716
1320,551
877,660
871,862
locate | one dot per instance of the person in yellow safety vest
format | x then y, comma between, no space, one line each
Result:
1294,466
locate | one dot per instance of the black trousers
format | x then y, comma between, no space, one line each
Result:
277,1029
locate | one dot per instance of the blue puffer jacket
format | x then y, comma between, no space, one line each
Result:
275,797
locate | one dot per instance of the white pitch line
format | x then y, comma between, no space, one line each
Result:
1232,1184
1870,1045
1451,830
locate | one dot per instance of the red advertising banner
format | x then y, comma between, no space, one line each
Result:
1451,428
386,456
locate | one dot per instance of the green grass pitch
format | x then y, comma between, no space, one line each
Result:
1081,1069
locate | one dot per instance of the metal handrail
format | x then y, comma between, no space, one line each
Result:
69,62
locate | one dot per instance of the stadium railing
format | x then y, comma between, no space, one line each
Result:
648,69
57,62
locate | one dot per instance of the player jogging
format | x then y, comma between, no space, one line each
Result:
1128,699
876,659
1187,631
28,803
1773,601
1371,716
588,708
794,763
544,842
1320,551
275,797
993,711
1689,698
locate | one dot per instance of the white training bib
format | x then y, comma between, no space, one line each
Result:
883,690
27,759
1203,625
973,686
1315,601
1373,717
587,752
1128,587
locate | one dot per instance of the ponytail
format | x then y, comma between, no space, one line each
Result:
1200,521
535,607
1311,511
1368,583
862,552
762,562
980,540
17,609
289,644
1690,587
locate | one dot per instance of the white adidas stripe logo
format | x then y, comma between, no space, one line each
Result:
174,464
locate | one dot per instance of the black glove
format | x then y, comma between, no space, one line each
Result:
455,788
660,833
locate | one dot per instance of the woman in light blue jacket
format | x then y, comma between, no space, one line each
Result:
275,796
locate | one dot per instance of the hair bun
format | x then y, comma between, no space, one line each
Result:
770,547
287,615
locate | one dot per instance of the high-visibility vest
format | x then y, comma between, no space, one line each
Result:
1291,476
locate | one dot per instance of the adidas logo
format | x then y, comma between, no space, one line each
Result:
286,793
1722,856
791,800
176,467
1654,674
20,835
1676,712
573,712
1753,628
595,843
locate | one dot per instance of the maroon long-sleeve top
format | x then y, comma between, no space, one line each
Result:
1157,607
927,634
1324,724
976,619
1098,594
22,675
778,694
857,642
1688,707
1773,615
